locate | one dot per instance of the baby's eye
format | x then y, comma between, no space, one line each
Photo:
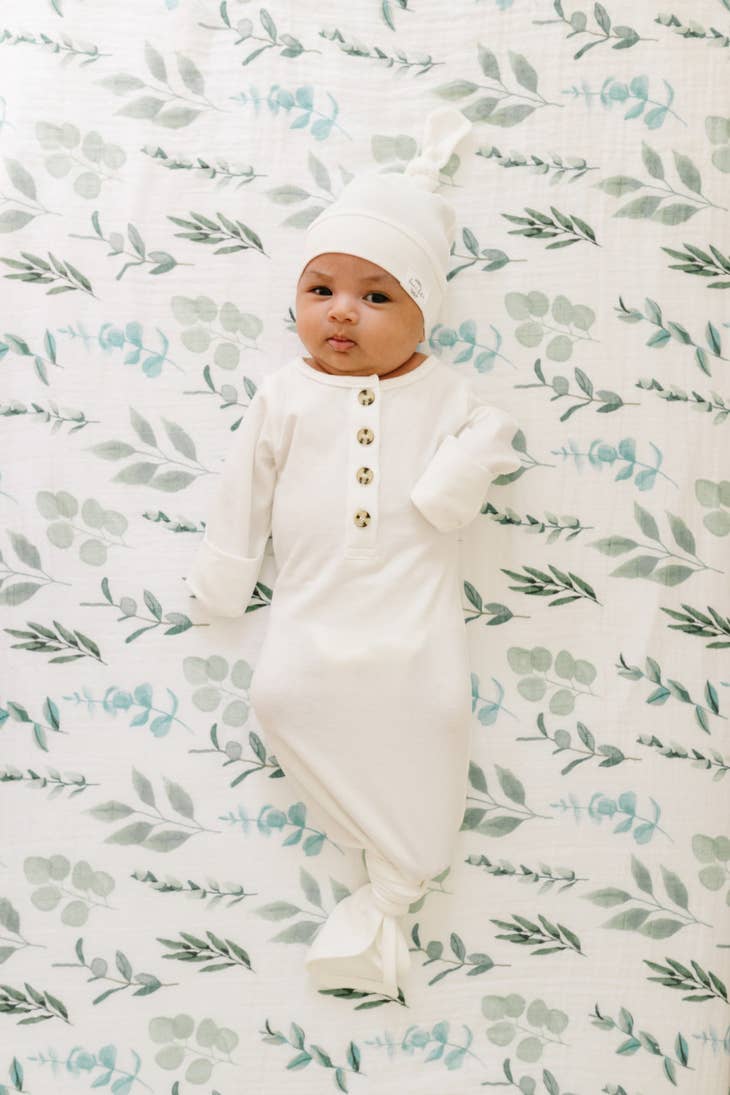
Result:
373,292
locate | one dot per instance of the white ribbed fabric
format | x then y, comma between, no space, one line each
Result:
362,686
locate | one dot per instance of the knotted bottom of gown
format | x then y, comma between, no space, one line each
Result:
361,945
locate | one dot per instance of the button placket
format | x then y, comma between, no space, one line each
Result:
361,516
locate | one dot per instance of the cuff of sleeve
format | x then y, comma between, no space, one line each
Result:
223,582
451,490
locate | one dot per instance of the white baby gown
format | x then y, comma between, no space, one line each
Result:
362,686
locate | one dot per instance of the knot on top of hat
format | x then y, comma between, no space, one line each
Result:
423,172
445,126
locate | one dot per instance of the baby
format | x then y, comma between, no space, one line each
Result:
363,460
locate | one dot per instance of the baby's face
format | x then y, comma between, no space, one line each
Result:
341,294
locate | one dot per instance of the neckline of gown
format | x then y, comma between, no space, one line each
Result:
353,381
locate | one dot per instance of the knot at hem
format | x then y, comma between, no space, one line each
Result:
392,892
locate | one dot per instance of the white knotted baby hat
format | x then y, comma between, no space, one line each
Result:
396,220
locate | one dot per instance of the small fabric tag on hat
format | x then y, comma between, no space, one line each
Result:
414,287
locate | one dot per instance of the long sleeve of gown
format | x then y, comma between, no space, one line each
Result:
452,488
227,563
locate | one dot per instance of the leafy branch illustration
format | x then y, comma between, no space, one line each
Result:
444,337
303,930
539,584
601,454
53,45
575,166
281,98
637,97
227,393
646,207
552,524
668,330
15,408
494,258
714,495
498,613
549,1079
225,341
141,832
623,808
15,1002
37,270
137,702
488,712
489,108
270,820
642,1039
45,640
540,226
476,818
626,37
701,984
305,1056
221,170
194,949
212,890
89,525
28,553
644,566
244,31
157,108
563,322
386,10
673,393
16,1075
200,1045
22,180
233,752
698,262
146,472
636,919
178,621
355,48
19,713
54,780
564,877
18,345
533,665
562,740
475,963
527,933
699,759
665,689
162,262
609,401
98,968
204,230
694,622
695,29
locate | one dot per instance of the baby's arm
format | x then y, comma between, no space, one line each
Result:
227,563
452,488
